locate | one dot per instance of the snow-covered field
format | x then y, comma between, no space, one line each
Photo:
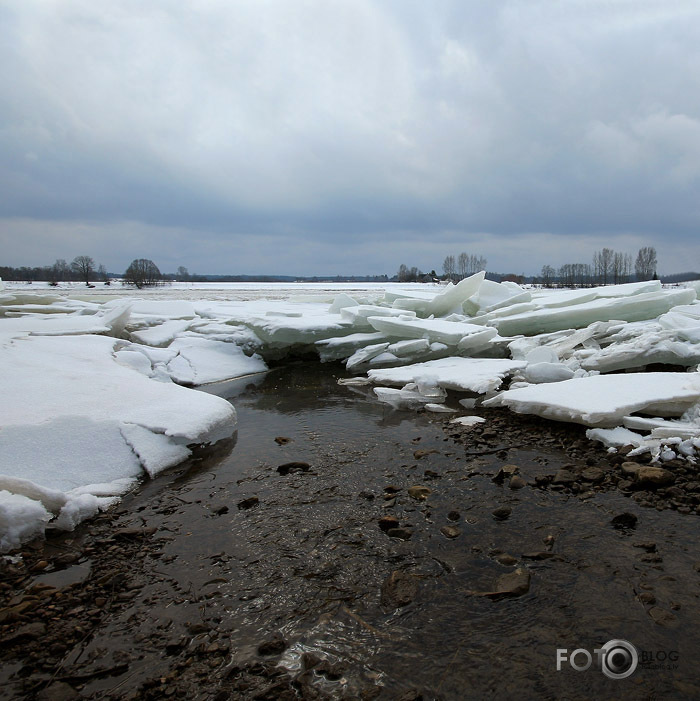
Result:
96,382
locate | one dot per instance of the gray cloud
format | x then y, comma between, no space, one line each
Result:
348,136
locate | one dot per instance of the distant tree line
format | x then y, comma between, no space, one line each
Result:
81,269
608,267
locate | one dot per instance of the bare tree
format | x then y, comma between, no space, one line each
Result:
547,275
58,272
645,265
182,274
448,267
603,265
462,265
142,272
83,267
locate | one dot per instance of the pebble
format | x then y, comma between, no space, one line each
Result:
420,493
502,513
248,503
274,646
517,482
292,467
564,477
401,533
398,589
512,584
388,522
450,531
624,520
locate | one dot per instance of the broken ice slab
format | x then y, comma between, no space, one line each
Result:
448,332
637,307
603,400
357,315
364,355
447,301
411,396
341,347
494,295
479,375
684,321
160,335
639,345
615,437
200,361
662,428
468,420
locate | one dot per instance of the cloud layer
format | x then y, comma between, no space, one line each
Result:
348,136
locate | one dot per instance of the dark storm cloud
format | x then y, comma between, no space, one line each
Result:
348,135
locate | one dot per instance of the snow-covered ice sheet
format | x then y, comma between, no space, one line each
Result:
603,400
479,375
72,416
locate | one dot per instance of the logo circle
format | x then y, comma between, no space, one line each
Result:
619,659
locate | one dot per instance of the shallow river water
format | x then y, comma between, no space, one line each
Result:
308,563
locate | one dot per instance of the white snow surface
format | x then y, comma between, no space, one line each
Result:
96,382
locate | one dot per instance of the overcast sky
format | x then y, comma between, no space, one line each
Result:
348,136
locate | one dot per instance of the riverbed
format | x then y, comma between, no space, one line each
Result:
337,548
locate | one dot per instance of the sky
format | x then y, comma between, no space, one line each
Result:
312,137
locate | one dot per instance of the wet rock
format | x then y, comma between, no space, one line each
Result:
647,598
419,493
175,644
450,531
593,474
220,509
398,589
388,522
662,617
630,469
506,559
134,532
401,533
292,467
512,584
624,520
25,633
648,545
654,477
517,482
431,475
549,541
58,691
564,477
276,645
505,473
411,695
248,503
39,566
66,559
418,454
366,495
502,513
539,555
453,516
197,628
282,440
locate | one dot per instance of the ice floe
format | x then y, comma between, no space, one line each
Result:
97,390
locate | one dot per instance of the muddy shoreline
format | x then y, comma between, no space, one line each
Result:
343,550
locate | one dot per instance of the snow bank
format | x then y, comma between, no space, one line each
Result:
73,417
